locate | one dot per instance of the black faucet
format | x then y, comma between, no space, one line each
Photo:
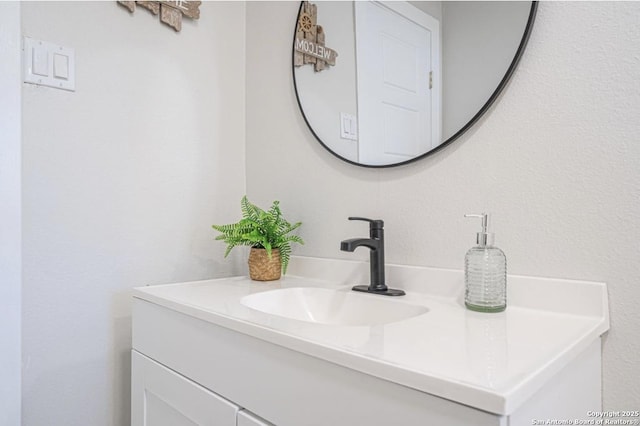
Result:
375,243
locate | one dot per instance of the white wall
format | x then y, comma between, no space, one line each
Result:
556,161
489,34
10,214
121,182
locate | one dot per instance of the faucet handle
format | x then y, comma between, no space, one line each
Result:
373,223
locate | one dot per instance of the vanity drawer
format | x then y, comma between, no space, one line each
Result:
161,397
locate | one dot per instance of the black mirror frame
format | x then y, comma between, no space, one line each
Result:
494,96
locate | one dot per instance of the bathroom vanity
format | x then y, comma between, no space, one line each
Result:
306,350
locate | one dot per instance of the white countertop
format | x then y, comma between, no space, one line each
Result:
492,362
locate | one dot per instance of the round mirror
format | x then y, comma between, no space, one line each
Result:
382,84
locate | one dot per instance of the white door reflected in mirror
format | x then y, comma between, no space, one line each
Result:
398,57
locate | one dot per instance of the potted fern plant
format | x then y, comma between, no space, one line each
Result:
268,235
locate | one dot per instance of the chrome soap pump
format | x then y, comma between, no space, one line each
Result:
485,272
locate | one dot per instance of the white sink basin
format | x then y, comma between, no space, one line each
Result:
336,307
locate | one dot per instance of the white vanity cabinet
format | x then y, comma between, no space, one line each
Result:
292,389
201,357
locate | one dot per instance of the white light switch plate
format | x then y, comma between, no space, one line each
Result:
48,64
348,126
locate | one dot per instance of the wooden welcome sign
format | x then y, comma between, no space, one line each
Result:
171,12
309,45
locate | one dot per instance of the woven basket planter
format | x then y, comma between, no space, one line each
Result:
261,268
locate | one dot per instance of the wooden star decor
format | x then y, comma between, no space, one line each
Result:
309,43
171,12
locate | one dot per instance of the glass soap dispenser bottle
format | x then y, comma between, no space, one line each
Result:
485,272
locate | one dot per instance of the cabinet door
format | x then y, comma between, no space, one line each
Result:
246,418
162,397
